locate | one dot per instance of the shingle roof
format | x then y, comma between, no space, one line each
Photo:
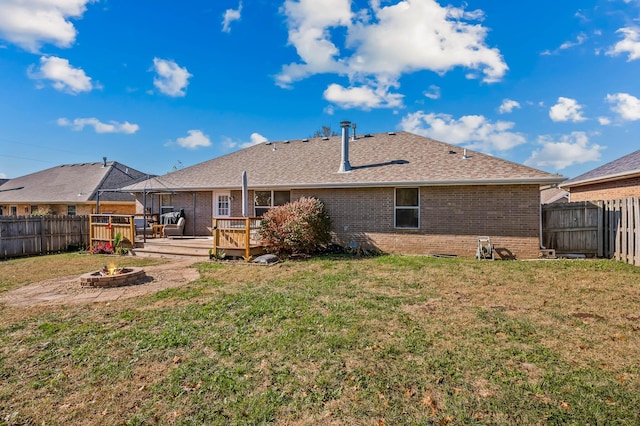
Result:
550,195
3,181
377,160
71,183
620,168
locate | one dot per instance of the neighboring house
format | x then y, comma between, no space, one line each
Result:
71,189
399,192
3,181
551,194
617,179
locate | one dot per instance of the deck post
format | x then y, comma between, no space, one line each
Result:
247,239
215,237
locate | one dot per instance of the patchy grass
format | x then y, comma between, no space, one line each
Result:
387,340
17,272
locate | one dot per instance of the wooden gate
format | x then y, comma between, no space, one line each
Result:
608,229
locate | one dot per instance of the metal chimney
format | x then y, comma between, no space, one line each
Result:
345,166
104,161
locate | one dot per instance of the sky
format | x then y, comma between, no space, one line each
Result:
161,85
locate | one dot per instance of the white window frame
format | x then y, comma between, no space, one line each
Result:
75,210
216,209
396,207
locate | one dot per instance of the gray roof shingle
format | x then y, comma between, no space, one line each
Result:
71,183
377,160
622,167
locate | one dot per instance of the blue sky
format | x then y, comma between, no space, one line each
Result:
162,84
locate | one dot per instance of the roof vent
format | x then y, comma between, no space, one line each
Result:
267,143
104,161
325,138
452,151
391,133
345,166
368,135
287,141
353,137
305,140
465,156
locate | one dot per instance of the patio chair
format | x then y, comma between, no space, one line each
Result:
174,230
141,229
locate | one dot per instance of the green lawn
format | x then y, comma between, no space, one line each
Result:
387,340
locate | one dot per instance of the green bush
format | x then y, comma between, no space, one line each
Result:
302,226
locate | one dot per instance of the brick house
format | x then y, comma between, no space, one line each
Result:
71,189
615,180
399,192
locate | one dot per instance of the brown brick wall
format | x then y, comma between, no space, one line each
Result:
451,219
613,190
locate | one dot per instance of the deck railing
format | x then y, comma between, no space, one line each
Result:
103,228
237,236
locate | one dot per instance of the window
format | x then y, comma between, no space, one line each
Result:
34,208
14,210
264,200
71,210
223,205
166,203
1,210
407,208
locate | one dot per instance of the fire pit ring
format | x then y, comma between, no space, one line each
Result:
123,277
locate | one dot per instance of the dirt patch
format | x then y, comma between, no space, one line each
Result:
68,291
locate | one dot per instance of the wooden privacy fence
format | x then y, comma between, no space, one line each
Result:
31,235
608,229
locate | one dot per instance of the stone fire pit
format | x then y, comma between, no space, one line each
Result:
113,277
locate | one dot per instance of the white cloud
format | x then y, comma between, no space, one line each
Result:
433,92
382,43
254,139
569,150
362,97
473,131
581,38
31,23
508,105
566,109
3,176
196,139
63,76
604,121
626,105
99,127
231,15
172,80
629,44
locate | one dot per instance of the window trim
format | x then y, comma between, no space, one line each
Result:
272,198
216,211
75,210
396,208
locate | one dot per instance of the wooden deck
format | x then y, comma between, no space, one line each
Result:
191,247
233,237
237,237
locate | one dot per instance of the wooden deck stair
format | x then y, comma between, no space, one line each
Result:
190,247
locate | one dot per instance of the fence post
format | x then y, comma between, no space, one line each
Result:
600,229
